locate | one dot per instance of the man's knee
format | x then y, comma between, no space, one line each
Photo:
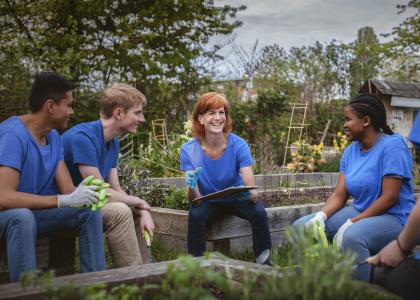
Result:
117,213
22,217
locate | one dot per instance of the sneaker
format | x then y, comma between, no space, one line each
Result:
264,258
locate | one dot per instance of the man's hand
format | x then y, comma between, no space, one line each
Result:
146,223
82,195
142,205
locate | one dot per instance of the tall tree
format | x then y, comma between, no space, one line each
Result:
90,40
404,55
366,59
155,44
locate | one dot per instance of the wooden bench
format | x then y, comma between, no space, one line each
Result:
55,252
229,233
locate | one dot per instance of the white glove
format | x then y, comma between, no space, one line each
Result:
82,195
319,216
338,238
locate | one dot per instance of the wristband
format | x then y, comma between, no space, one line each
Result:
405,252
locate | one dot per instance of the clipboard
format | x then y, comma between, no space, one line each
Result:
226,192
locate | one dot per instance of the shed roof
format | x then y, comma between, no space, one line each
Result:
394,88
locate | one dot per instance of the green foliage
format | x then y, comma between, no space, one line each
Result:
323,273
262,124
367,57
318,118
163,251
136,181
162,162
14,85
114,40
407,34
188,280
330,165
306,158
161,47
177,199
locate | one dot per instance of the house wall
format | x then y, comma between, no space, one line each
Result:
400,119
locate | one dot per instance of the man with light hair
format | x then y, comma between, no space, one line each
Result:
92,148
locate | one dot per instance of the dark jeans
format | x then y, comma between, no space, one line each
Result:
207,211
20,228
403,280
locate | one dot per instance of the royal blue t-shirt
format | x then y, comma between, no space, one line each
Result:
364,170
414,135
84,144
217,174
36,163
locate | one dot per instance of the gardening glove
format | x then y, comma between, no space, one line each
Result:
338,238
320,217
82,195
191,177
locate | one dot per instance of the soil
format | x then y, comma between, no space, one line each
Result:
295,196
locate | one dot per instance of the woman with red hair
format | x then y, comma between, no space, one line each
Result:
216,159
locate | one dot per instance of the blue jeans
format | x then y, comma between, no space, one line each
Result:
365,237
207,211
21,227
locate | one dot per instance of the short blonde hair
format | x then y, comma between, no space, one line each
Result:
120,95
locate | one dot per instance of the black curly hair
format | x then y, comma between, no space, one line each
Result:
369,105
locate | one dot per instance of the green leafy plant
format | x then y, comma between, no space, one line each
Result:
163,161
177,199
306,158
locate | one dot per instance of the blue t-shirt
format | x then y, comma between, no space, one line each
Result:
84,144
35,163
414,135
221,173
364,170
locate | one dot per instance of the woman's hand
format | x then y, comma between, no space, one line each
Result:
390,256
338,238
191,177
254,196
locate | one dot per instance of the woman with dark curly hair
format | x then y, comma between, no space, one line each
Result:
376,170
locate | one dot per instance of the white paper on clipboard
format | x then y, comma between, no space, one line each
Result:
226,192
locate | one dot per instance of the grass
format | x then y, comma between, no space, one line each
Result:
162,251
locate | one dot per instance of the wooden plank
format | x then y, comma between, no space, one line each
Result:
269,180
170,221
56,252
278,219
150,273
175,222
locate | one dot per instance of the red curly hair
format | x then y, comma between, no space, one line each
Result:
206,102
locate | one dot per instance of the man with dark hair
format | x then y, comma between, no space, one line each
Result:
37,195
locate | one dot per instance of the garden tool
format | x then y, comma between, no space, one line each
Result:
368,260
371,259
149,245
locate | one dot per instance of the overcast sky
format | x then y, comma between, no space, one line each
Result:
302,22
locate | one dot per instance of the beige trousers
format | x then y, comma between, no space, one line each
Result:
120,233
